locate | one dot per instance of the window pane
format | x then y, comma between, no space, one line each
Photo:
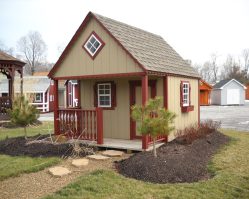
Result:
107,91
107,86
89,45
92,49
101,91
101,86
96,44
92,40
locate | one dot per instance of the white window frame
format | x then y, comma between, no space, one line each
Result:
109,95
92,45
185,92
40,97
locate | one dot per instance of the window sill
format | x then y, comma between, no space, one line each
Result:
186,109
107,108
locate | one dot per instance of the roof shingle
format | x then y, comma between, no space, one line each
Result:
150,50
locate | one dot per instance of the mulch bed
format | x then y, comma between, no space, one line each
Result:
176,162
19,147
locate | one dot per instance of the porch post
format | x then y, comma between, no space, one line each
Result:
99,115
165,97
145,91
56,108
21,84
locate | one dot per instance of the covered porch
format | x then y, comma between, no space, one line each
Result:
90,123
8,67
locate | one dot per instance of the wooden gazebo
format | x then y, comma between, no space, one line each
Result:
9,65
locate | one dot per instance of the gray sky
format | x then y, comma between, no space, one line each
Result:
194,28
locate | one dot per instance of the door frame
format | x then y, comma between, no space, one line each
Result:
133,84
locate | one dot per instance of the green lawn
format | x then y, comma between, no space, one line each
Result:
13,166
230,165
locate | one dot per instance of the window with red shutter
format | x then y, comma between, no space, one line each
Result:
185,97
105,95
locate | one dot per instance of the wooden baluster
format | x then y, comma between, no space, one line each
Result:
91,137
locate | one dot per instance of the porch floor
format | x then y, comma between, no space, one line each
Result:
134,145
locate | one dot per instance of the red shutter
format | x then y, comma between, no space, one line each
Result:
181,94
189,94
95,95
113,93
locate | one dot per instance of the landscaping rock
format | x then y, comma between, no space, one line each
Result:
98,157
59,171
80,162
113,153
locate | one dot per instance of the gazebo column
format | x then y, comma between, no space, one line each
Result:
56,108
145,91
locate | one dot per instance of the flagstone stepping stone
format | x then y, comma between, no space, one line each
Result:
113,153
98,157
80,162
59,171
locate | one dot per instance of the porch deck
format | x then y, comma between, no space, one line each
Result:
133,145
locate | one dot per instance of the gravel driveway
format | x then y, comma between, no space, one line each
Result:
231,117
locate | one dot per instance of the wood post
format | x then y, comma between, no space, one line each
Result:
165,97
165,92
99,116
56,109
145,91
21,84
199,103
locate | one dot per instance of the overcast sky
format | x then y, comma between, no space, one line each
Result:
194,28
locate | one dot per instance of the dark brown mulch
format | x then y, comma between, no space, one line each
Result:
18,147
176,162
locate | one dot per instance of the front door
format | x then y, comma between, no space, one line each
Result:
136,98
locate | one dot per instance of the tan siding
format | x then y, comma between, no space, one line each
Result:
183,119
116,122
111,59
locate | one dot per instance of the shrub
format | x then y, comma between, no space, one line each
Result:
23,114
195,131
153,120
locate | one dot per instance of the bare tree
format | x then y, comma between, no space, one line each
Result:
232,70
5,49
214,66
245,55
33,49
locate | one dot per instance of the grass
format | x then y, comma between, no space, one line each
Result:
230,167
15,165
44,128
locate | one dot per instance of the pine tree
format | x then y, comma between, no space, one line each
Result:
23,114
153,120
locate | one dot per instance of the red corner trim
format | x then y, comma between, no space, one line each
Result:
100,48
199,104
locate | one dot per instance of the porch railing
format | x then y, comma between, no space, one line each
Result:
5,104
85,124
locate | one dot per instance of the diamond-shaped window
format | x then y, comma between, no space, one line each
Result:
93,45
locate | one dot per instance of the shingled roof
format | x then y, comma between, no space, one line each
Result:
6,57
223,82
150,50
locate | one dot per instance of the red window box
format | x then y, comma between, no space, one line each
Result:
186,109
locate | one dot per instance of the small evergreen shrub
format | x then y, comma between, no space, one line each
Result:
23,114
